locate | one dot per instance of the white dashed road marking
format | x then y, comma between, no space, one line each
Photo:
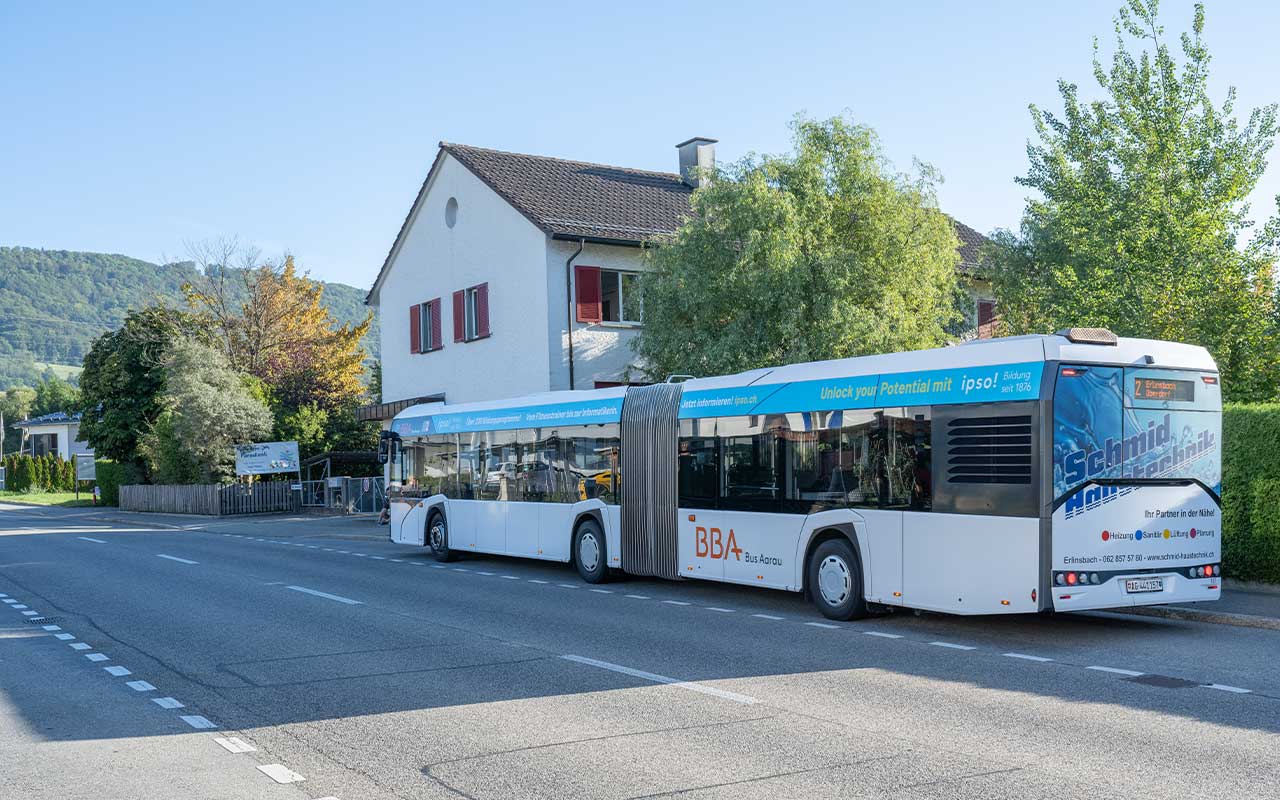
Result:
767,616
534,580
198,722
602,591
98,657
66,637
1129,672
50,628
676,603
175,558
721,610
91,539
30,613
883,635
280,773
1224,688
637,596
325,595
166,702
235,744
484,573
649,676
953,646
821,625
140,686
79,646
1026,657
119,672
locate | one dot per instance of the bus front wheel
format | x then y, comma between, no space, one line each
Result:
835,581
589,553
438,537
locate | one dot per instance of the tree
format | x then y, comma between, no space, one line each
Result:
15,404
1142,211
53,395
272,324
206,407
123,377
822,253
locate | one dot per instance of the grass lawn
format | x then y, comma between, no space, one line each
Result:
48,498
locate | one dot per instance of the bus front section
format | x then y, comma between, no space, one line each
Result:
1137,461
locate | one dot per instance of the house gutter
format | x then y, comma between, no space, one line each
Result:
568,298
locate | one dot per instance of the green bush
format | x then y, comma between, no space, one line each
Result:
1251,491
111,476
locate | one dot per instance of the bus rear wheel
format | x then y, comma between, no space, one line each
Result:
835,581
589,553
438,537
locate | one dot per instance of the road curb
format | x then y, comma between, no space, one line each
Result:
1197,615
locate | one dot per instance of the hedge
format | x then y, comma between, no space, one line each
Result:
47,473
1251,492
111,476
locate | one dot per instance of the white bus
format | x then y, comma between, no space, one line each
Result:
1071,471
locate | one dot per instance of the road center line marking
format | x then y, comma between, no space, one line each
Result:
821,625
51,628
140,686
280,773
951,646
175,558
676,603
79,646
535,580
566,586
91,539
198,722
325,595
721,610
484,573
602,591
11,601
66,637
396,560
637,596
1129,672
1222,687
18,606
166,702
1026,657
30,613
118,672
511,577
766,616
378,558
97,657
883,635
650,676
235,744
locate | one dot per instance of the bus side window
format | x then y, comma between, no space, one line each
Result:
699,465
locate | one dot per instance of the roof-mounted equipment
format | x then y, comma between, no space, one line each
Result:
1089,336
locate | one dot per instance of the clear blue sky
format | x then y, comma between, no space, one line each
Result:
135,127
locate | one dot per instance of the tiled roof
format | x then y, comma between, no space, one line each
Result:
971,243
578,199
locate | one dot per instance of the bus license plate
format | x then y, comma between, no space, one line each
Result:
1138,585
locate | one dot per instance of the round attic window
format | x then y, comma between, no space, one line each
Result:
451,212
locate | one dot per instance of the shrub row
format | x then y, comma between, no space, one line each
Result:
1251,492
111,476
46,473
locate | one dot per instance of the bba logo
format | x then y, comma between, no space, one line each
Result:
712,544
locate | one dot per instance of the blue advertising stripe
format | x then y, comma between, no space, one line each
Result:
731,402
996,383
588,412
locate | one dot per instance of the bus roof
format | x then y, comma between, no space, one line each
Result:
984,370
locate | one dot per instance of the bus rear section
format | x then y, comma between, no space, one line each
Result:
1137,461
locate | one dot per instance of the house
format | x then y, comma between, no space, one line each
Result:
514,274
52,433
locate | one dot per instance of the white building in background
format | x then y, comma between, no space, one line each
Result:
52,433
514,274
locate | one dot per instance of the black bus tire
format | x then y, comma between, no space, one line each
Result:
835,581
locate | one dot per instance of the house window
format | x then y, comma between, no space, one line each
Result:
607,295
424,327
986,319
471,313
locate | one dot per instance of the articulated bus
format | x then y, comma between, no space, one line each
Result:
1034,473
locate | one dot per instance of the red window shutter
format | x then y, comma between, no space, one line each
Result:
587,283
415,328
436,341
459,320
482,310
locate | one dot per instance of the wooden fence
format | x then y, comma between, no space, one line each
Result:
210,499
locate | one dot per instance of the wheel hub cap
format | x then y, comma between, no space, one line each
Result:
834,580
437,536
589,552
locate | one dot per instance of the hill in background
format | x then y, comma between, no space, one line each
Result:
53,303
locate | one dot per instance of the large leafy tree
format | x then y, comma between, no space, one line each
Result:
1142,217
206,407
821,253
124,374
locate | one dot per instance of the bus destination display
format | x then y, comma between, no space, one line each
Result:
1164,389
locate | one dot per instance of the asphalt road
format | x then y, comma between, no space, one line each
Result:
353,668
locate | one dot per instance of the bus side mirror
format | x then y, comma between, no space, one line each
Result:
388,446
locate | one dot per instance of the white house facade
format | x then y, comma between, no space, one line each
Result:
52,433
514,274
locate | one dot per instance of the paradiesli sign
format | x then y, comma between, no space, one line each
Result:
264,458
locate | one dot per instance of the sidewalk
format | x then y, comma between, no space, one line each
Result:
1250,606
